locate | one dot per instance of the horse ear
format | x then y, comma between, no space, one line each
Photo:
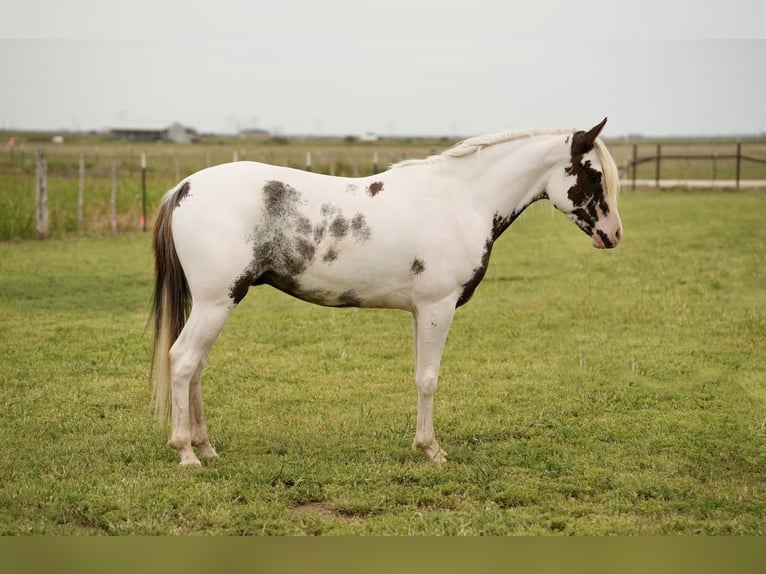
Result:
582,142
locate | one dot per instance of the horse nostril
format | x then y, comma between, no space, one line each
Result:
618,234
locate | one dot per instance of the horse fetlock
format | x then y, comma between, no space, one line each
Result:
184,448
431,449
179,443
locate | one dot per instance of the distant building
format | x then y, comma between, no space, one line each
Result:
369,137
174,133
254,134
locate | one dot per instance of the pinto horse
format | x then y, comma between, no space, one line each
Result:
417,237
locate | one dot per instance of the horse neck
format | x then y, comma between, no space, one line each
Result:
505,178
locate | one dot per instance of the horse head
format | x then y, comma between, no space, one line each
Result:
586,188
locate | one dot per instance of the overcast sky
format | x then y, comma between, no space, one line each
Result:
395,67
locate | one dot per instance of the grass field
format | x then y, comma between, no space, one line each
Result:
582,392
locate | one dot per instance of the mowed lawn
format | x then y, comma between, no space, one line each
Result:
581,392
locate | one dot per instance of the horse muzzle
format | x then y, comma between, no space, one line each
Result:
607,234
606,239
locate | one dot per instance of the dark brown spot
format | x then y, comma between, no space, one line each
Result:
240,287
605,238
587,194
279,199
305,249
303,225
328,209
339,227
319,231
375,188
281,243
350,299
359,228
331,255
417,266
181,194
478,274
499,224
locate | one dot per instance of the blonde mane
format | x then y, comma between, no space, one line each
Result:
611,180
474,144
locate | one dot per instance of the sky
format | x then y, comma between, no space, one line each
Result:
392,67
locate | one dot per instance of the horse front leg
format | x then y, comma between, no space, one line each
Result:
431,325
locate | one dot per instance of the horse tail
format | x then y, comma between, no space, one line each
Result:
171,301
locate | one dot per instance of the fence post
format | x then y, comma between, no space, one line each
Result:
81,195
635,160
41,172
739,161
308,161
113,198
375,162
143,191
657,169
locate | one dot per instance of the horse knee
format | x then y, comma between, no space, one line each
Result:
427,384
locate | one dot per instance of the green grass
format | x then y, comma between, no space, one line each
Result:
582,392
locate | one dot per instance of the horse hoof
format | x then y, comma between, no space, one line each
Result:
440,457
207,451
190,461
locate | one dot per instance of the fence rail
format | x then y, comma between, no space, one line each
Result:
117,180
100,189
629,171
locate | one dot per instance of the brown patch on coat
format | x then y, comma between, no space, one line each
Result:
417,266
279,198
281,248
359,228
374,188
587,194
286,242
478,274
303,225
499,224
319,231
350,299
331,255
339,227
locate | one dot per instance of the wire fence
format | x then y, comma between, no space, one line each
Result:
98,190
114,188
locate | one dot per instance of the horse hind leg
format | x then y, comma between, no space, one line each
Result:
187,360
199,434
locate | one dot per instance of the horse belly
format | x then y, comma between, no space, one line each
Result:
356,279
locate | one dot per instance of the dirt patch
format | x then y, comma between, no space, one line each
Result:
322,509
